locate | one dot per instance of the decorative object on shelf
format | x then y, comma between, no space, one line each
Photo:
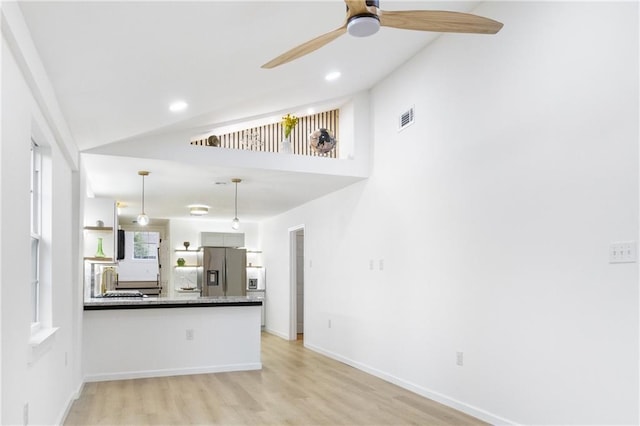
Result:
322,141
198,210
235,224
186,245
285,146
143,219
268,137
213,140
181,261
251,140
99,223
99,252
288,123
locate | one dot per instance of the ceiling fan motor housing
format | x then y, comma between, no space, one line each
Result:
363,25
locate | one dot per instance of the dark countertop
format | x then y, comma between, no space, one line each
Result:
112,303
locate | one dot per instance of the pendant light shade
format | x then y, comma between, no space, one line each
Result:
143,219
235,223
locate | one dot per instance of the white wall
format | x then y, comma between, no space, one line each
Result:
492,216
49,378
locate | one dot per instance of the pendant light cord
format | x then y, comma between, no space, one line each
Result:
236,199
142,194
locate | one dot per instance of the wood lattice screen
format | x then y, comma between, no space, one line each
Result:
267,138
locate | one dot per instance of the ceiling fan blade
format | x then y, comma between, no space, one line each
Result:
306,48
439,21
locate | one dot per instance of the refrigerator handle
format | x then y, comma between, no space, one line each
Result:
224,283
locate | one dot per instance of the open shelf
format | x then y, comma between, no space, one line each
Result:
99,259
99,228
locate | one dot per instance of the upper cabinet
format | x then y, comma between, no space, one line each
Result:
221,239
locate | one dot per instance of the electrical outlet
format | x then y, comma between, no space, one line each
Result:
190,334
66,359
381,264
371,265
25,414
460,358
622,252
329,324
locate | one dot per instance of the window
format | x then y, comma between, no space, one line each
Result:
41,222
36,209
145,245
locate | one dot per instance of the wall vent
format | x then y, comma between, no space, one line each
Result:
406,119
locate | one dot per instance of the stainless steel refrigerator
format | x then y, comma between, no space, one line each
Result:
223,272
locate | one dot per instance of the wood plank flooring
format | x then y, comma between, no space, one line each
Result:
295,387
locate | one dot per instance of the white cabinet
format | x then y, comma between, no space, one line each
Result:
221,239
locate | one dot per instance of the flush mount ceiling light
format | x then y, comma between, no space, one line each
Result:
143,219
178,106
198,210
333,76
235,224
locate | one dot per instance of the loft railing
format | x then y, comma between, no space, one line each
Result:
267,138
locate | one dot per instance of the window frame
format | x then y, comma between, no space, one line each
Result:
36,205
148,244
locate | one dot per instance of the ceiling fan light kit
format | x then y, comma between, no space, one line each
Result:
364,18
363,26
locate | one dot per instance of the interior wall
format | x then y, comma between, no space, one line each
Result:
485,226
36,383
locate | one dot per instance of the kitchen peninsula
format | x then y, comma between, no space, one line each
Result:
127,338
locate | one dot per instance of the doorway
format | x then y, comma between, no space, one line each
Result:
296,257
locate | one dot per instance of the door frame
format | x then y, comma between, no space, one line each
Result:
293,281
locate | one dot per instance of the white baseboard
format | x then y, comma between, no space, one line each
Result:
277,333
173,372
420,390
74,396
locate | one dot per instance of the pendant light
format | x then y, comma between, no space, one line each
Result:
235,224
143,219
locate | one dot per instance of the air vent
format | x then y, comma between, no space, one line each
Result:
406,119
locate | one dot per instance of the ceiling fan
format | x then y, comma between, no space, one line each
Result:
364,18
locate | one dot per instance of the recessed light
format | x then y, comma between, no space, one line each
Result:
310,111
332,76
178,106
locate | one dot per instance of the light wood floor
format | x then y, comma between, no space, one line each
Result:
295,387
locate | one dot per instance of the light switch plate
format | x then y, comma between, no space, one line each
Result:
623,252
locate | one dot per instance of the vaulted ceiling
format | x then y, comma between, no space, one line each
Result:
116,66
